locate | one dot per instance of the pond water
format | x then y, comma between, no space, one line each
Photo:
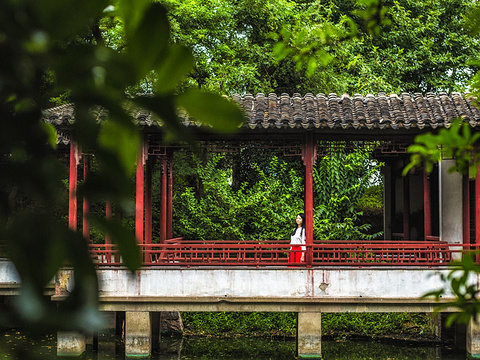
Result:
15,345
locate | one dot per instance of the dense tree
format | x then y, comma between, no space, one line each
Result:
327,46
264,207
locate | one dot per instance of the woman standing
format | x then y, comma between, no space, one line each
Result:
297,241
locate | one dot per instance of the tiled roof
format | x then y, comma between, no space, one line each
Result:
329,112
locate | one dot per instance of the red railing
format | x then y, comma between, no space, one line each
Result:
276,253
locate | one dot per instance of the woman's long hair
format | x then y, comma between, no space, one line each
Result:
302,215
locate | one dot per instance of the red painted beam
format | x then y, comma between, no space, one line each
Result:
139,201
72,186
427,211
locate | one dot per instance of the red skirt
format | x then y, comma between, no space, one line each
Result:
295,254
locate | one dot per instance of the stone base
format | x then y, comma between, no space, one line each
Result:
70,343
137,334
309,335
473,339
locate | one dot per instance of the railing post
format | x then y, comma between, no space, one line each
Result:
309,157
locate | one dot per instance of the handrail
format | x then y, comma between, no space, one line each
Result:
276,253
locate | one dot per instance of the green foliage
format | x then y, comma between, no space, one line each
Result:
340,180
392,46
263,210
378,324
214,205
47,49
284,324
372,199
456,142
460,285
238,323
328,46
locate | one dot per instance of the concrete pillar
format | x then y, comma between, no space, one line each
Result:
70,343
473,339
451,205
437,325
309,335
137,334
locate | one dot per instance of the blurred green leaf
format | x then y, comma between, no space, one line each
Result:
123,237
148,43
211,109
51,134
122,141
53,16
178,63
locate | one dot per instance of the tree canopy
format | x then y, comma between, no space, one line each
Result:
327,46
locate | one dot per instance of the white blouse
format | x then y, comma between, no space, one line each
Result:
298,238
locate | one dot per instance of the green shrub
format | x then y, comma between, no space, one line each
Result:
284,324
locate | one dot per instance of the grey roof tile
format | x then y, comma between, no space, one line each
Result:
329,112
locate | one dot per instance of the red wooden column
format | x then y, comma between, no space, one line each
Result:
163,201
466,209
309,156
72,185
170,195
108,237
86,202
139,194
406,208
148,201
108,216
477,208
427,211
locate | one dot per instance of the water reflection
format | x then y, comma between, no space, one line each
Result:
231,349
265,349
